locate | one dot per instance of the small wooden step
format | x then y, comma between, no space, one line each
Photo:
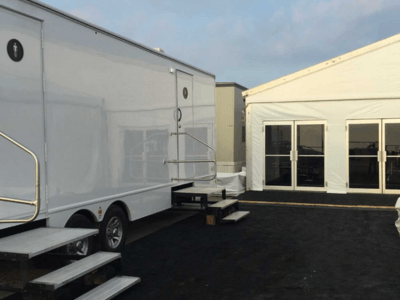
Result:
224,204
236,216
31,243
110,289
65,275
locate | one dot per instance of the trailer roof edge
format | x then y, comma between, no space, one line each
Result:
113,34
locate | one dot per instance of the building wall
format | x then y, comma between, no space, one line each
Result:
224,97
229,126
239,135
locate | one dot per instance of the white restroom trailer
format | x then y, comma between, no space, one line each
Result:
100,113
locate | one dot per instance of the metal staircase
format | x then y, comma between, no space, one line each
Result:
65,282
217,211
220,212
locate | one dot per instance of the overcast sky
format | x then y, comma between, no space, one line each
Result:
249,42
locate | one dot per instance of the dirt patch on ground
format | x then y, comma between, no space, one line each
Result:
275,253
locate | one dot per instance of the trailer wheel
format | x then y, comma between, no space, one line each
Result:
84,246
113,229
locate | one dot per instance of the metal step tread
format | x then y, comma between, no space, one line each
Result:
224,203
38,241
111,288
236,216
200,190
75,270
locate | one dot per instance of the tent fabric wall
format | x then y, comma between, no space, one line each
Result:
336,113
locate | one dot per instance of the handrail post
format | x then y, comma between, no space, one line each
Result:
36,202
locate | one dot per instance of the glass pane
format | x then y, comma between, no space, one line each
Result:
156,146
310,139
364,173
310,171
392,139
278,170
392,177
134,149
363,139
278,139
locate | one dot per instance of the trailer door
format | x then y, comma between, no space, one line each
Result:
21,111
185,113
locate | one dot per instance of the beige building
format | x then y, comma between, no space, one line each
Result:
230,127
332,127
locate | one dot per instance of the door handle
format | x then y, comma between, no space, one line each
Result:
294,155
180,117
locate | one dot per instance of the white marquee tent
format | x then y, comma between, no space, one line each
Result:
332,127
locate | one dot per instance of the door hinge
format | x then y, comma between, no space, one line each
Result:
346,128
263,128
42,39
347,184
263,182
326,184
44,83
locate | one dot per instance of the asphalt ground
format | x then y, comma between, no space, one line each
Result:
274,253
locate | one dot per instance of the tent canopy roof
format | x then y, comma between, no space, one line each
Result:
322,66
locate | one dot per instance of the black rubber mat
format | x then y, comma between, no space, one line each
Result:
320,198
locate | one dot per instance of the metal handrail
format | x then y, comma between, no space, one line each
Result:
35,203
175,161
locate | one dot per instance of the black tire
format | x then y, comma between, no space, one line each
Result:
79,221
113,229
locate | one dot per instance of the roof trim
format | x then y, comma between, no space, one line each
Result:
229,84
323,65
110,33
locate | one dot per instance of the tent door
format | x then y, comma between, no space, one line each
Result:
373,156
278,145
364,163
295,155
391,156
310,158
